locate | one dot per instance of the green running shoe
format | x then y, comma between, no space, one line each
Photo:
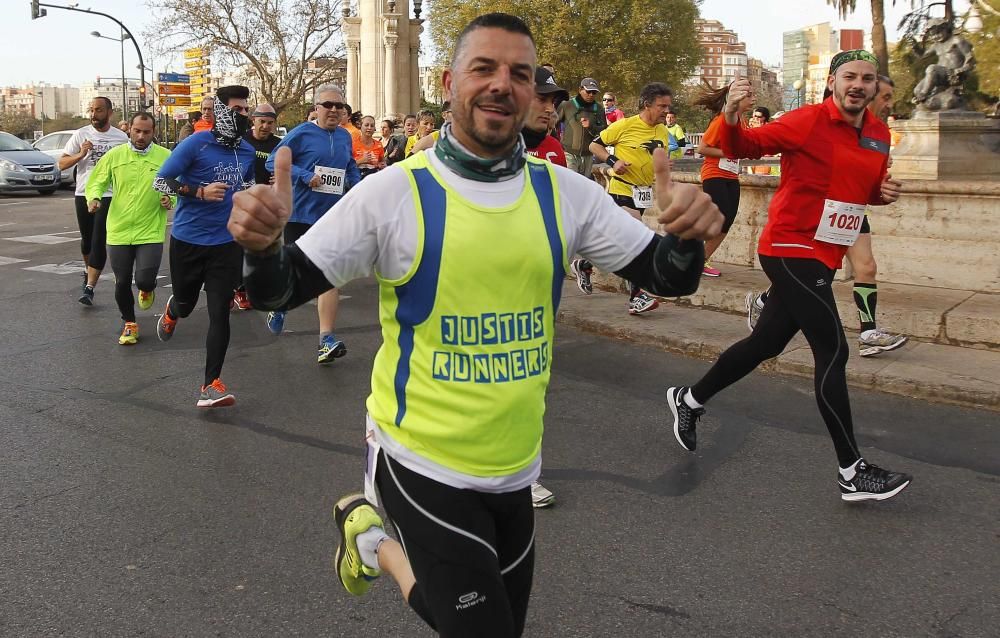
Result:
146,299
354,515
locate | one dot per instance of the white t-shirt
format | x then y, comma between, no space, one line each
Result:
374,226
103,142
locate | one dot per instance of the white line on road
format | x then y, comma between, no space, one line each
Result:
4,261
41,239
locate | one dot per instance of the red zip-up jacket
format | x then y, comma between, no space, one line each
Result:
822,157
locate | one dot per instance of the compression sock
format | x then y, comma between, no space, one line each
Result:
866,296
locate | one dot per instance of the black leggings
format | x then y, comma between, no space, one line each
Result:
472,553
801,298
145,260
217,268
93,231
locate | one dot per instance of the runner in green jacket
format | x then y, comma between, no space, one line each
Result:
137,219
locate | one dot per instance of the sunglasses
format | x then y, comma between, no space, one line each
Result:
331,105
608,99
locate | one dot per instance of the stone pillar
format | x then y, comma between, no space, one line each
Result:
353,75
938,145
391,106
413,71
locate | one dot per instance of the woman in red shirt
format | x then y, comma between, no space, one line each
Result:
368,151
720,176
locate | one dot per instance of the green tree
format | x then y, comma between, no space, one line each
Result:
19,124
622,44
986,48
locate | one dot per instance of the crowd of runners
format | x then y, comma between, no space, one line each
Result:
469,230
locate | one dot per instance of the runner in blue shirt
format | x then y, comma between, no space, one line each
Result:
204,171
323,170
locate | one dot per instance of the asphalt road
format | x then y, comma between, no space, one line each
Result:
127,511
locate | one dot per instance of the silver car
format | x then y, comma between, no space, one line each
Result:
22,168
53,145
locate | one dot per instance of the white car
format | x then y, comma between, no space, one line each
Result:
52,145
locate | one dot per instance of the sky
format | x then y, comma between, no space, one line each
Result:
59,49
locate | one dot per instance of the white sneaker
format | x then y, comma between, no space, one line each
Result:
879,341
642,303
541,497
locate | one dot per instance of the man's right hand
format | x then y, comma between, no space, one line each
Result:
315,181
620,166
260,213
93,205
214,192
738,91
86,147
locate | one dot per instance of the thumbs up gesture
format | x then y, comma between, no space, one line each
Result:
683,209
260,213
739,90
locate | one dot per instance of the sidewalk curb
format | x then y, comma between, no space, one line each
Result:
945,391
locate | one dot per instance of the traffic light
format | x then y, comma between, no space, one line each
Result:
142,98
37,11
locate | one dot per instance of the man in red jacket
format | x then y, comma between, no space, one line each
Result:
834,159
541,113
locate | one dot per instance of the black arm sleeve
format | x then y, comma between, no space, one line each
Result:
668,266
283,280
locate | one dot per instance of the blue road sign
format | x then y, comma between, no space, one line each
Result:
175,78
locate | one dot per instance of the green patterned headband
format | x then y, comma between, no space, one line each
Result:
850,56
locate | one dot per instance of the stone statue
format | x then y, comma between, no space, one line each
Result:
941,87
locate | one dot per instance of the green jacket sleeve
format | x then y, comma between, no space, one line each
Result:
99,178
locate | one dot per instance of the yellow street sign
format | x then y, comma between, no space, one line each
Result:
193,53
196,64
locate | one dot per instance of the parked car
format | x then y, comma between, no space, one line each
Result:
22,168
53,145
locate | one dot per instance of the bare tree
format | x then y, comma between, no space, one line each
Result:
273,41
881,48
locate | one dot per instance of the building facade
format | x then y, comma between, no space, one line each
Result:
806,59
111,89
723,55
41,100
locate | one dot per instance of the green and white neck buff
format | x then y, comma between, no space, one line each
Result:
465,163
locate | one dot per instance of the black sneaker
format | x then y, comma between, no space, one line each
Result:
685,418
582,269
872,483
87,295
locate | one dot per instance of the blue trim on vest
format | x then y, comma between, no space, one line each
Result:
541,182
415,299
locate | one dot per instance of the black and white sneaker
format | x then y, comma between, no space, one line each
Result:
685,418
582,269
872,483
86,295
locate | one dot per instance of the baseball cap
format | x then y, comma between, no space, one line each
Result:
545,84
589,84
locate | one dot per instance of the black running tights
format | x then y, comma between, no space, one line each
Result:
93,231
472,553
144,260
217,341
801,298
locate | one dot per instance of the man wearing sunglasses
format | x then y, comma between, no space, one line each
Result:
583,120
323,170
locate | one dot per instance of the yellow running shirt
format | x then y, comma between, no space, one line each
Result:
461,375
634,141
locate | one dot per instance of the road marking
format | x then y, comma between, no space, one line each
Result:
55,269
4,261
7,224
13,203
42,239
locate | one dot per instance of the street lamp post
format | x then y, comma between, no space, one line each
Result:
798,85
121,41
42,95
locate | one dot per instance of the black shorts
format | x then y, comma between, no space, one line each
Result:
625,200
725,193
192,266
865,228
472,553
295,230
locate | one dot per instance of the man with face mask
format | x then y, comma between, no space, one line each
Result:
137,219
834,162
204,171
83,150
469,243
323,171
